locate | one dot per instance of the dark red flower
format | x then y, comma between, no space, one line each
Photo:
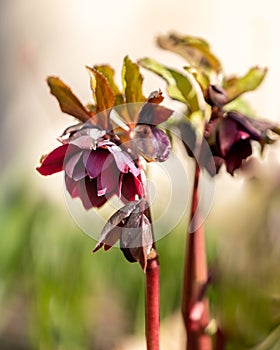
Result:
230,135
96,168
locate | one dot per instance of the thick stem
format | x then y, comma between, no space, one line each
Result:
152,304
220,340
195,307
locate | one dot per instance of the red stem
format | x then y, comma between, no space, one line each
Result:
195,278
152,309
152,304
220,340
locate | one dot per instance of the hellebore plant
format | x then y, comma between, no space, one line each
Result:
102,156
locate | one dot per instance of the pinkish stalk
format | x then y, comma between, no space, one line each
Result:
195,308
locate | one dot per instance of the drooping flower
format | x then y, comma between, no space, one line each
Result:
230,137
131,226
230,134
95,168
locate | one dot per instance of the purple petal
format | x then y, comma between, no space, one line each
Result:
97,161
53,162
124,161
84,142
88,194
71,186
87,137
162,144
161,114
152,143
227,135
246,124
71,163
108,180
239,151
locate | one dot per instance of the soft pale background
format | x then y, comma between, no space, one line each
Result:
39,38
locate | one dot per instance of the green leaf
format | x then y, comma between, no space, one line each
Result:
103,96
235,86
195,50
201,78
132,86
132,81
109,73
180,87
68,102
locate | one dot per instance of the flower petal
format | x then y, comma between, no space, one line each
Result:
71,186
108,180
130,187
71,163
123,160
246,124
227,135
97,161
88,194
162,144
152,143
239,151
53,162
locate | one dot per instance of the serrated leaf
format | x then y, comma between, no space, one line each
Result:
103,96
109,73
180,87
132,86
236,86
195,50
68,102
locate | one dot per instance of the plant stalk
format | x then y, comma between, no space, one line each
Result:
195,306
152,285
152,304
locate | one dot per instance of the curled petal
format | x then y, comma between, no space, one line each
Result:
246,124
53,162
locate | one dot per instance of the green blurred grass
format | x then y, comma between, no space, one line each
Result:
56,294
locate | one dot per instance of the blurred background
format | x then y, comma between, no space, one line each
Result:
54,294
